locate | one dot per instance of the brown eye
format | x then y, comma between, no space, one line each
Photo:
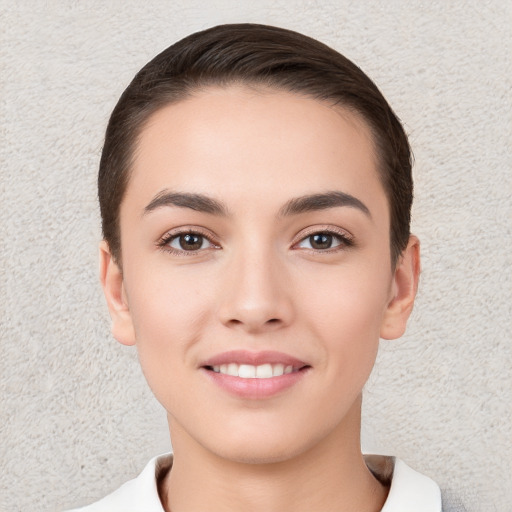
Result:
324,240
321,241
189,242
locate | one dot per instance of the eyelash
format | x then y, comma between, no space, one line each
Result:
345,240
165,241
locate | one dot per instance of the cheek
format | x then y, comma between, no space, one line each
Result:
169,315
168,305
348,293
346,310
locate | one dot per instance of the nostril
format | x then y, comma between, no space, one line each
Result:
254,325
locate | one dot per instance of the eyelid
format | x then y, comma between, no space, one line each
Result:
163,242
346,237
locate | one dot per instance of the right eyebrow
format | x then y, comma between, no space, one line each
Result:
197,202
315,202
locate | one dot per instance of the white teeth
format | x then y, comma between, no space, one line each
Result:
277,370
249,371
232,369
264,371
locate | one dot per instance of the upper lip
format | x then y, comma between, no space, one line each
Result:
254,358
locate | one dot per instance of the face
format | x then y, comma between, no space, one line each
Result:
256,270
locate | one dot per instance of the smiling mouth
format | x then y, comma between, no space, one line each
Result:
249,371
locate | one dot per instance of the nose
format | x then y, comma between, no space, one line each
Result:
257,293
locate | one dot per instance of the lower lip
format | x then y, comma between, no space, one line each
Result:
256,389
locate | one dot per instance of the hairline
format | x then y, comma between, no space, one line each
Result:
257,85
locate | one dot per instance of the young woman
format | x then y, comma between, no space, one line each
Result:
255,191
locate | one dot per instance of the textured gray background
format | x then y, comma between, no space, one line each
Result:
76,418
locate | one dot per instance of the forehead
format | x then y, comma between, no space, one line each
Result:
252,143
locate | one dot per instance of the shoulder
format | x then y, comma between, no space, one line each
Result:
137,495
408,489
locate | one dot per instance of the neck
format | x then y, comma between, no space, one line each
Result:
330,476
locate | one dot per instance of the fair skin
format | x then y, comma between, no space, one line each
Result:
228,257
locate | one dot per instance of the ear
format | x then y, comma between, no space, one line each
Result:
403,291
111,277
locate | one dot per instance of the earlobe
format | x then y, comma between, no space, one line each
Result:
403,293
111,278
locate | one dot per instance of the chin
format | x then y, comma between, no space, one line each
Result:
264,446
258,455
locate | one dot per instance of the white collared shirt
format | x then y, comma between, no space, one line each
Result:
409,491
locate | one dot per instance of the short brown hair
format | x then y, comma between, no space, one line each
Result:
256,55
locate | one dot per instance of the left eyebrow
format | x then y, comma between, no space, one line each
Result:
314,202
197,202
